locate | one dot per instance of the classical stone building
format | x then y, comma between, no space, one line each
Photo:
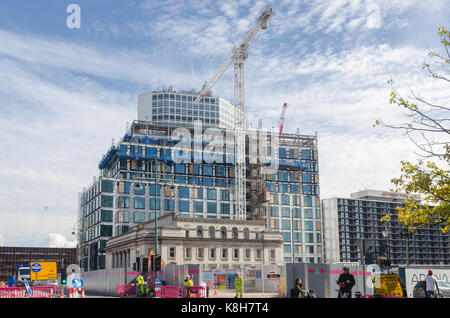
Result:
215,243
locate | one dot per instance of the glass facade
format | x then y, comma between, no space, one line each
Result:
169,106
361,219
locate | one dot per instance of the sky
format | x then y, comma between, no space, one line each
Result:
66,93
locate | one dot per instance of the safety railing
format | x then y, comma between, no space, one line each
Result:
36,292
195,292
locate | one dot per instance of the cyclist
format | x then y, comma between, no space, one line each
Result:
346,282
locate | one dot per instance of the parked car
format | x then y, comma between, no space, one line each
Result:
444,289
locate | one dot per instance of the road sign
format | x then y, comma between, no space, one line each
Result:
157,282
27,286
36,267
43,271
77,282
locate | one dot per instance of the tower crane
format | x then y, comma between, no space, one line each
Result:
281,123
238,56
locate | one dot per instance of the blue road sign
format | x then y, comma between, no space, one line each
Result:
27,286
77,282
157,282
36,267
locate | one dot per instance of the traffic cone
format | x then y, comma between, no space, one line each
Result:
82,293
61,295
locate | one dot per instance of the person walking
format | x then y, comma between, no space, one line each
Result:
430,283
188,284
238,285
346,281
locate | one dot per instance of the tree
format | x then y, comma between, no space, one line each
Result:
428,127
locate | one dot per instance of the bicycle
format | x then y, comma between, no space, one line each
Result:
342,294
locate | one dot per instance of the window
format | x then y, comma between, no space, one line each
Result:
225,208
308,213
212,253
274,211
187,252
124,202
207,170
107,186
247,254
246,234
306,154
285,199
123,216
199,231
187,233
307,189
211,194
139,217
155,190
225,195
183,192
309,237
139,203
184,206
198,206
200,252
106,201
235,233
307,201
169,205
139,188
285,224
152,204
172,252
236,253
212,232
258,254
308,225
179,168
211,207
198,193
106,216
287,236
225,253
106,230
297,237
272,254
285,212
223,233
274,224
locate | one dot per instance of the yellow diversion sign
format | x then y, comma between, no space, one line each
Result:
43,271
387,285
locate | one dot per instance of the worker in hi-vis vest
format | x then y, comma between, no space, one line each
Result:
140,284
238,285
188,283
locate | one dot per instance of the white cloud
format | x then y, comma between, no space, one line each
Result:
58,240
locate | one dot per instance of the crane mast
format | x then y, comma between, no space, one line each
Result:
281,123
238,57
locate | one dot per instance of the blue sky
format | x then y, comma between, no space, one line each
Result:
65,93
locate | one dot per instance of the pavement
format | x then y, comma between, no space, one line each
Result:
220,294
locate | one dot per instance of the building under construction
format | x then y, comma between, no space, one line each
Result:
158,168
